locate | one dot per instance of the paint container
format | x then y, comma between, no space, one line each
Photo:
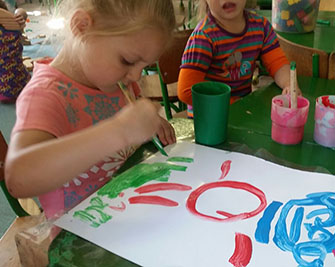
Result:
288,123
324,130
296,16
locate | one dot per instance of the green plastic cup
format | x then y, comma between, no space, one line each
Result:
210,110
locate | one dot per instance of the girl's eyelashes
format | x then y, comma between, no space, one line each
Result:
126,62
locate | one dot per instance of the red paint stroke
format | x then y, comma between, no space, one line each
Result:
118,208
326,102
161,187
225,168
154,200
226,214
121,194
193,198
334,252
243,251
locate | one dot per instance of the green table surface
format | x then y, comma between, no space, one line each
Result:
322,38
249,131
250,123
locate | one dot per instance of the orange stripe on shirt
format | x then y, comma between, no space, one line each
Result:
200,50
198,36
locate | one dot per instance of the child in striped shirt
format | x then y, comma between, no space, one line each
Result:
224,47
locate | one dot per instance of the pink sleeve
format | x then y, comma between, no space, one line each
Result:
40,109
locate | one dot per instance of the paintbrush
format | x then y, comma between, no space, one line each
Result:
293,85
130,99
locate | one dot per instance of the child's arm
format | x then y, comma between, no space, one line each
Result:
282,79
274,59
187,78
278,66
38,163
195,64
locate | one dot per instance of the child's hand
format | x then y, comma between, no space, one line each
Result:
21,21
286,91
166,132
20,17
138,122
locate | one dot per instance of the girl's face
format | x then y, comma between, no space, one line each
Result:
105,60
226,10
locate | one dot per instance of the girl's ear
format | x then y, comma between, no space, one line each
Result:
80,23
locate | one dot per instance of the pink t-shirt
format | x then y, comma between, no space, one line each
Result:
54,103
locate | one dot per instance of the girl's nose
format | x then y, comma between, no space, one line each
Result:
134,74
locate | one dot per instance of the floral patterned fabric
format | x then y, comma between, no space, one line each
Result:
13,74
54,103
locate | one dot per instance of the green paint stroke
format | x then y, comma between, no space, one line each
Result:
137,176
97,206
180,159
98,203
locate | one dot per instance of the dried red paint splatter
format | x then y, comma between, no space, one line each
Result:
326,102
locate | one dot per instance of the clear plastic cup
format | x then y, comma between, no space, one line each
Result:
296,16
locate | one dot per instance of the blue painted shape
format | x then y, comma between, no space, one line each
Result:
321,240
264,224
295,229
310,248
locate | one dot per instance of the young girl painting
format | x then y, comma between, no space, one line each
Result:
74,127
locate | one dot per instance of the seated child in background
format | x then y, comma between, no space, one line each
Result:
74,128
13,74
224,47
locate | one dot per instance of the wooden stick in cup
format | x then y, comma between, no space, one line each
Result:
293,85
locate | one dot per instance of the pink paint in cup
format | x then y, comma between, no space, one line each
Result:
324,130
288,123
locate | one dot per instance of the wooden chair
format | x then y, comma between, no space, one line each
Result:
303,56
327,5
331,66
168,69
8,251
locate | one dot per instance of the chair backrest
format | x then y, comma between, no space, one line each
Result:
13,202
303,56
168,69
327,5
8,21
170,61
331,66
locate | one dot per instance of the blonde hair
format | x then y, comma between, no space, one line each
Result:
202,8
118,17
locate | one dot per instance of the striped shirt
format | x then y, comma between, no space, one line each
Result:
228,57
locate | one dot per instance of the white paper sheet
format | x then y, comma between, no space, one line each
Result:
156,235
